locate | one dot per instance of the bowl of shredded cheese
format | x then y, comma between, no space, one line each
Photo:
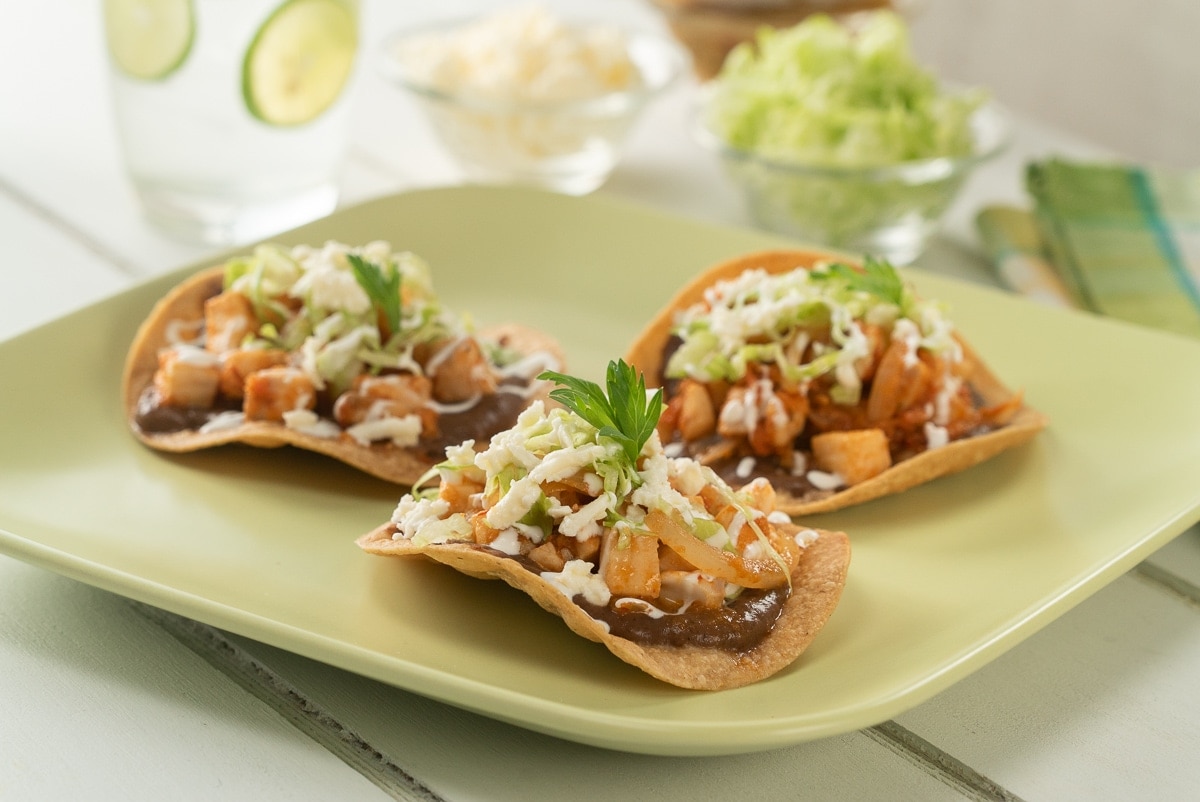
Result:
521,96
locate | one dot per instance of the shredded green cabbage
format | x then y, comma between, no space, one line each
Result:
336,329
818,94
758,318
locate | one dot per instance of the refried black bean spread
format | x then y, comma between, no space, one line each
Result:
737,627
492,413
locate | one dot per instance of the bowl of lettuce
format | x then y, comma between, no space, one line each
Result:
839,137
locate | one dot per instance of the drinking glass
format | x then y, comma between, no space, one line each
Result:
231,114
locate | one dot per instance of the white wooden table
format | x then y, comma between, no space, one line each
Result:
106,699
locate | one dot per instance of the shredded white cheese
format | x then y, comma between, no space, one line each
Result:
688,475
514,504
745,467
941,403
509,541
403,432
521,54
531,365
642,606
427,521
194,355
761,317
806,537
223,421
823,480
333,289
308,422
576,579
180,332
587,521
935,436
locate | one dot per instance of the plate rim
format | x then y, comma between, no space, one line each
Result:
610,730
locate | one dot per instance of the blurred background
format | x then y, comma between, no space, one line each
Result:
1121,75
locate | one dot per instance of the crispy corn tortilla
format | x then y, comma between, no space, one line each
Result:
385,460
646,354
817,586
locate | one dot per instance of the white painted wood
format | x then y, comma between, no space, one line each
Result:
1181,557
463,756
101,704
1100,705
59,150
1123,75
45,275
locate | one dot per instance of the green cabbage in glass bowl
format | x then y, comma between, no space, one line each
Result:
839,138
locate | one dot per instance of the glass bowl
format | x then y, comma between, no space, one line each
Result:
889,211
568,146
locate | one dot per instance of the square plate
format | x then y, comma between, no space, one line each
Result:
944,578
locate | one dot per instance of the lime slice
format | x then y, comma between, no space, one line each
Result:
149,39
299,61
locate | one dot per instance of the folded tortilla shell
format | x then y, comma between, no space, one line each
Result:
382,459
646,354
817,586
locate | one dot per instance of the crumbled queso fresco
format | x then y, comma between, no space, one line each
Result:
727,332
328,324
555,446
522,54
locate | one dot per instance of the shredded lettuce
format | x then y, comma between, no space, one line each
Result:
819,94
760,318
342,291
841,137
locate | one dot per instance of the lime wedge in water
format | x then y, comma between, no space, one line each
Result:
148,39
299,60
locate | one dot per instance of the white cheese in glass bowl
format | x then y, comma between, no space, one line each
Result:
522,96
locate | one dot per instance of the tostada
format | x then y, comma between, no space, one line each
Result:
833,380
346,351
655,557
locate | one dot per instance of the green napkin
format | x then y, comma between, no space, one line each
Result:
1124,239
1017,251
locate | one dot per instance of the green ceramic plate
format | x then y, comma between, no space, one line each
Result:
945,577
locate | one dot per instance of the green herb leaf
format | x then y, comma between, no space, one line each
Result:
625,414
879,278
382,287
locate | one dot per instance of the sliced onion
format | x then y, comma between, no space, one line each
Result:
713,561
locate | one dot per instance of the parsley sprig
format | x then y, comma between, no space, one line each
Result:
625,414
879,278
382,287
